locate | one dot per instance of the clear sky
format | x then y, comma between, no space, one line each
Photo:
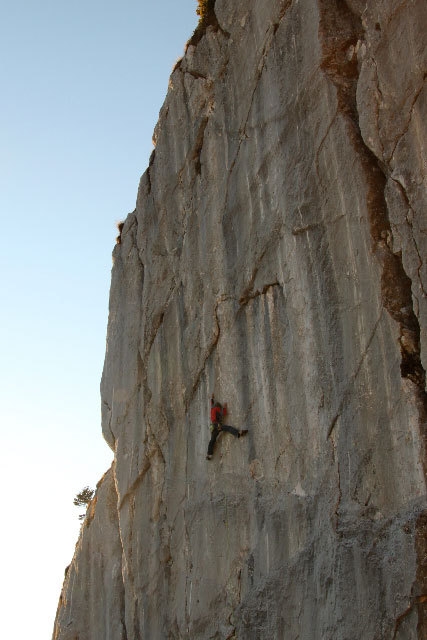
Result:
81,88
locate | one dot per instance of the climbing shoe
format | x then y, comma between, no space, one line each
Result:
208,457
242,432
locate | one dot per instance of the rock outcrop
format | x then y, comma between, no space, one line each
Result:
276,257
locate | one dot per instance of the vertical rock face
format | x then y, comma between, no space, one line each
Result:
275,258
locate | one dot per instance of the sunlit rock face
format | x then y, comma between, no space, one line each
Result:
276,258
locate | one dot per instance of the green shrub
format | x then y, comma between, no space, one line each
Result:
82,499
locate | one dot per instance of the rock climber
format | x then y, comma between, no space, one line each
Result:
218,413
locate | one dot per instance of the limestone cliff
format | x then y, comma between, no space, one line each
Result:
276,257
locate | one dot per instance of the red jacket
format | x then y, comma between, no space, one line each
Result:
217,413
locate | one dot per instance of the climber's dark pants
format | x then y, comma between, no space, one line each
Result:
216,430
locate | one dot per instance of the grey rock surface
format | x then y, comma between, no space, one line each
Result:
92,601
276,257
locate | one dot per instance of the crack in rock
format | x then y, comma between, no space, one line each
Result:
409,222
269,39
246,297
395,283
296,231
415,603
353,378
209,351
247,294
408,123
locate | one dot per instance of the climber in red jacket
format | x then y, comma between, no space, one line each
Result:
218,413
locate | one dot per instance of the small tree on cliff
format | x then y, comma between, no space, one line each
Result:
205,9
82,499
206,12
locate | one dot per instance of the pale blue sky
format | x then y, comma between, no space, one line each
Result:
81,84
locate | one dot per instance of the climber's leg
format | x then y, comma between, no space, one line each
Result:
214,436
232,430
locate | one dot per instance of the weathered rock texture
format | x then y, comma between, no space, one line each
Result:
275,257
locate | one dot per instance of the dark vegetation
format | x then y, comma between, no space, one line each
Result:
119,226
207,18
82,499
204,9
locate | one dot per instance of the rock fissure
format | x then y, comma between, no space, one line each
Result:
322,142
409,119
194,74
268,41
140,477
338,503
124,634
110,415
157,321
410,224
415,603
354,377
420,586
281,453
395,284
403,5
379,101
296,231
208,352
188,576
198,145
134,244
127,406
243,301
193,155
247,294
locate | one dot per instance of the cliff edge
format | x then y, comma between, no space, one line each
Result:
276,257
